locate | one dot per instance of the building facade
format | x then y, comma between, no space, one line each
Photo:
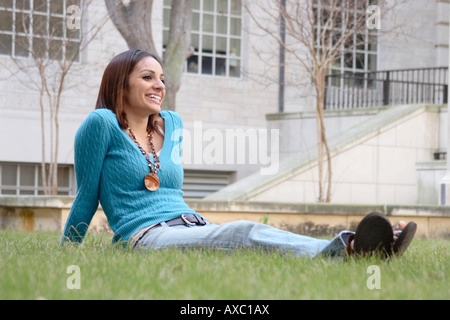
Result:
230,83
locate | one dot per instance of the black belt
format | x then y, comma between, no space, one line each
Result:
184,219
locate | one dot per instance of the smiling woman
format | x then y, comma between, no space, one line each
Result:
122,70
117,163
121,152
144,92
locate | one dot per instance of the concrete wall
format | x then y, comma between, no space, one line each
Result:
50,214
372,162
298,134
379,168
298,130
429,179
414,35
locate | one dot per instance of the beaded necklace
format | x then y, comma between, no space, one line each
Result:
151,180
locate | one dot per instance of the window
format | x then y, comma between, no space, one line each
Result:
26,179
38,27
216,36
359,52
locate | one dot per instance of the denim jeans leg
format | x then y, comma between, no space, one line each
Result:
337,246
232,235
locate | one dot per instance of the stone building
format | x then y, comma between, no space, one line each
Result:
230,103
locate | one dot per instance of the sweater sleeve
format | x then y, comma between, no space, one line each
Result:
91,145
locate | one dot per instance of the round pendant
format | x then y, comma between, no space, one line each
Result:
151,182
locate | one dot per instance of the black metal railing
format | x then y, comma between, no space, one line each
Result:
384,88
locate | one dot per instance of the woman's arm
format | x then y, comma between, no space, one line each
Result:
91,145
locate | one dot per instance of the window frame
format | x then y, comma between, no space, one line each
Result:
60,33
341,65
36,188
195,64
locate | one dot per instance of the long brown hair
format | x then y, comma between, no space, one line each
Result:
114,84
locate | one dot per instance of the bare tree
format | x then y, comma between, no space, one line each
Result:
134,22
51,45
316,33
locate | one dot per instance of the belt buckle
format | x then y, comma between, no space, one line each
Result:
185,220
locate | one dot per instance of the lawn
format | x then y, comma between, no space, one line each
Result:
33,266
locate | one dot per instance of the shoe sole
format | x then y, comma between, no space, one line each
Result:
404,240
374,235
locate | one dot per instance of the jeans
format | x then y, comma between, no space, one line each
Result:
242,234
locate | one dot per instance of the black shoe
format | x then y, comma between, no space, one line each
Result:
373,236
404,240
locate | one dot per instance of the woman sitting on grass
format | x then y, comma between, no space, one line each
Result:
128,157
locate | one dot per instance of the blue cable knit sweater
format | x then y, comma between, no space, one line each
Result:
110,168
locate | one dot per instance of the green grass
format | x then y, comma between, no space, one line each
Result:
33,266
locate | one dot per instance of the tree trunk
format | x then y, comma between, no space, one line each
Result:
134,22
43,162
322,140
178,48
319,115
